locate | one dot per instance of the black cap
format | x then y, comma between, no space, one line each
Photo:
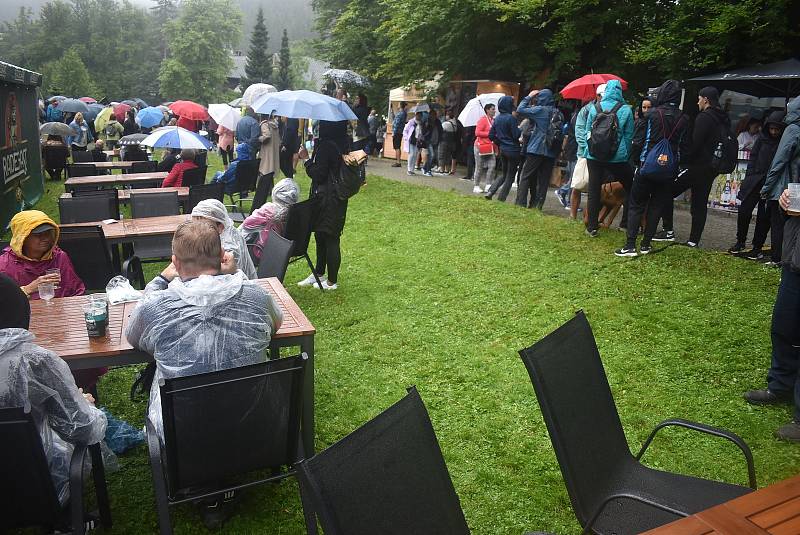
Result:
710,93
44,227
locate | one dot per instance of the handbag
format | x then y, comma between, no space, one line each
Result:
580,175
485,149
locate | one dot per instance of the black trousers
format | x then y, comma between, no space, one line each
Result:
620,171
329,255
751,201
503,182
646,195
784,373
286,163
777,219
470,162
699,180
535,177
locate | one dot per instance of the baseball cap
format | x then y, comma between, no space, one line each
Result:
44,227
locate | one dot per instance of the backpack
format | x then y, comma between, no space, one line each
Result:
604,138
726,152
555,131
659,164
111,130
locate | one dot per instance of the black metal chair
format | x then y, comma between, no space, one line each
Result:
92,259
27,495
80,156
246,176
74,171
215,190
610,490
224,424
388,476
144,167
275,257
194,177
153,248
298,229
55,160
86,206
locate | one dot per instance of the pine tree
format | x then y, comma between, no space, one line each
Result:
285,60
259,62
164,11
68,76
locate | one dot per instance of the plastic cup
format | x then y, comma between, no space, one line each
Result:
100,301
47,291
794,197
54,271
96,318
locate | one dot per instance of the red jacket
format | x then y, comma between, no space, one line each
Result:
175,177
482,140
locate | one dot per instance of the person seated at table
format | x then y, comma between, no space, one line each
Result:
201,314
175,177
271,216
97,152
54,156
229,176
133,153
169,160
31,376
214,212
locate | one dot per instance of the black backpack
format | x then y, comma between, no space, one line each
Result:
554,136
604,138
726,152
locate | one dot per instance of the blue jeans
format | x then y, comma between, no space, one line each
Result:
784,373
429,158
566,188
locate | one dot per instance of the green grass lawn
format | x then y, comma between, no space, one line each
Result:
440,290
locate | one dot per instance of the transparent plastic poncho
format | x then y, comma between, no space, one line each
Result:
205,324
232,240
38,378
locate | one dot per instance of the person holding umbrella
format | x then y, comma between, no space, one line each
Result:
81,135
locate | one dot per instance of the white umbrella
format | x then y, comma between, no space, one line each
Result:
224,115
252,93
474,109
175,137
304,104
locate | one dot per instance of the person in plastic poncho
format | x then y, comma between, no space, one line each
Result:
271,216
232,241
31,376
197,317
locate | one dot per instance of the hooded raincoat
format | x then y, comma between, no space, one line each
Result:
611,97
539,116
31,376
201,325
761,156
505,130
25,270
785,166
665,120
229,176
232,240
271,216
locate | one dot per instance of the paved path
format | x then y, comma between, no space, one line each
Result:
719,233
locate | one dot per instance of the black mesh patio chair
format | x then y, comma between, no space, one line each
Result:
153,248
224,425
81,156
388,477
27,495
55,160
610,490
215,190
298,229
194,177
245,182
74,171
94,261
148,166
275,257
90,205
263,191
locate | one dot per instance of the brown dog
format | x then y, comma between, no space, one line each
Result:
612,196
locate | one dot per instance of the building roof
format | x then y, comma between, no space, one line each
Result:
17,75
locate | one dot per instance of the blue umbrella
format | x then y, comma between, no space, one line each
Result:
149,117
94,109
304,104
175,137
73,105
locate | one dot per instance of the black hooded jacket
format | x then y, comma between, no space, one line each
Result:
665,120
761,156
707,132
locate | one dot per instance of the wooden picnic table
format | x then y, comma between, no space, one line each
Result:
115,180
124,195
127,230
59,326
774,510
106,165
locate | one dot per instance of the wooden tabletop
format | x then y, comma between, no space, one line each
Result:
772,510
114,180
128,229
106,165
124,195
59,326
111,154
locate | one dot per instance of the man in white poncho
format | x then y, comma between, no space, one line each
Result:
31,376
197,317
232,241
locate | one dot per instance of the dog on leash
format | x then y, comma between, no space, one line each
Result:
612,196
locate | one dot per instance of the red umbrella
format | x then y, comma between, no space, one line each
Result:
585,87
189,110
120,110
87,100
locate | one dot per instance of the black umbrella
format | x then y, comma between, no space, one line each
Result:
55,129
132,139
780,79
73,105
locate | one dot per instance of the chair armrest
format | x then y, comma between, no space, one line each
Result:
709,430
76,487
587,529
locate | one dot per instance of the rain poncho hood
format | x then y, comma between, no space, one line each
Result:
506,130
35,378
232,240
21,226
775,118
271,216
792,111
505,104
539,115
243,152
285,193
668,93
207,290
611,97
545,98
786,162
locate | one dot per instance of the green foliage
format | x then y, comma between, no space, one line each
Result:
68,76
284,80
16,36
199,41
259,61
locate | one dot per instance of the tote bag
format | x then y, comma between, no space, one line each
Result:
580,176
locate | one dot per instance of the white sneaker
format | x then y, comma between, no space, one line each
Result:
477,189
326,285
308,281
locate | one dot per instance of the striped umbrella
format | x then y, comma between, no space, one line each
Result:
175,137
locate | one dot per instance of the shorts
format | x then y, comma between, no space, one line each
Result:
397,141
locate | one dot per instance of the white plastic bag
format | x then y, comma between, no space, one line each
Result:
580,175
119,290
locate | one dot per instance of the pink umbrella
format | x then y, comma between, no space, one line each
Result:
87,100
585,87
120,110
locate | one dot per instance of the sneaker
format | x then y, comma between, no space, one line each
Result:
755,254
308,281
561,197
790,432
566,207
410,173
664,235
691,244
326,285
591,233
465,178
772,264
737,247
395,164
427,173
477,189
514,185
767,397
416,168
487,197
645,249
626,251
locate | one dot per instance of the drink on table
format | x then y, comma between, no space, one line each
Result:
47,291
